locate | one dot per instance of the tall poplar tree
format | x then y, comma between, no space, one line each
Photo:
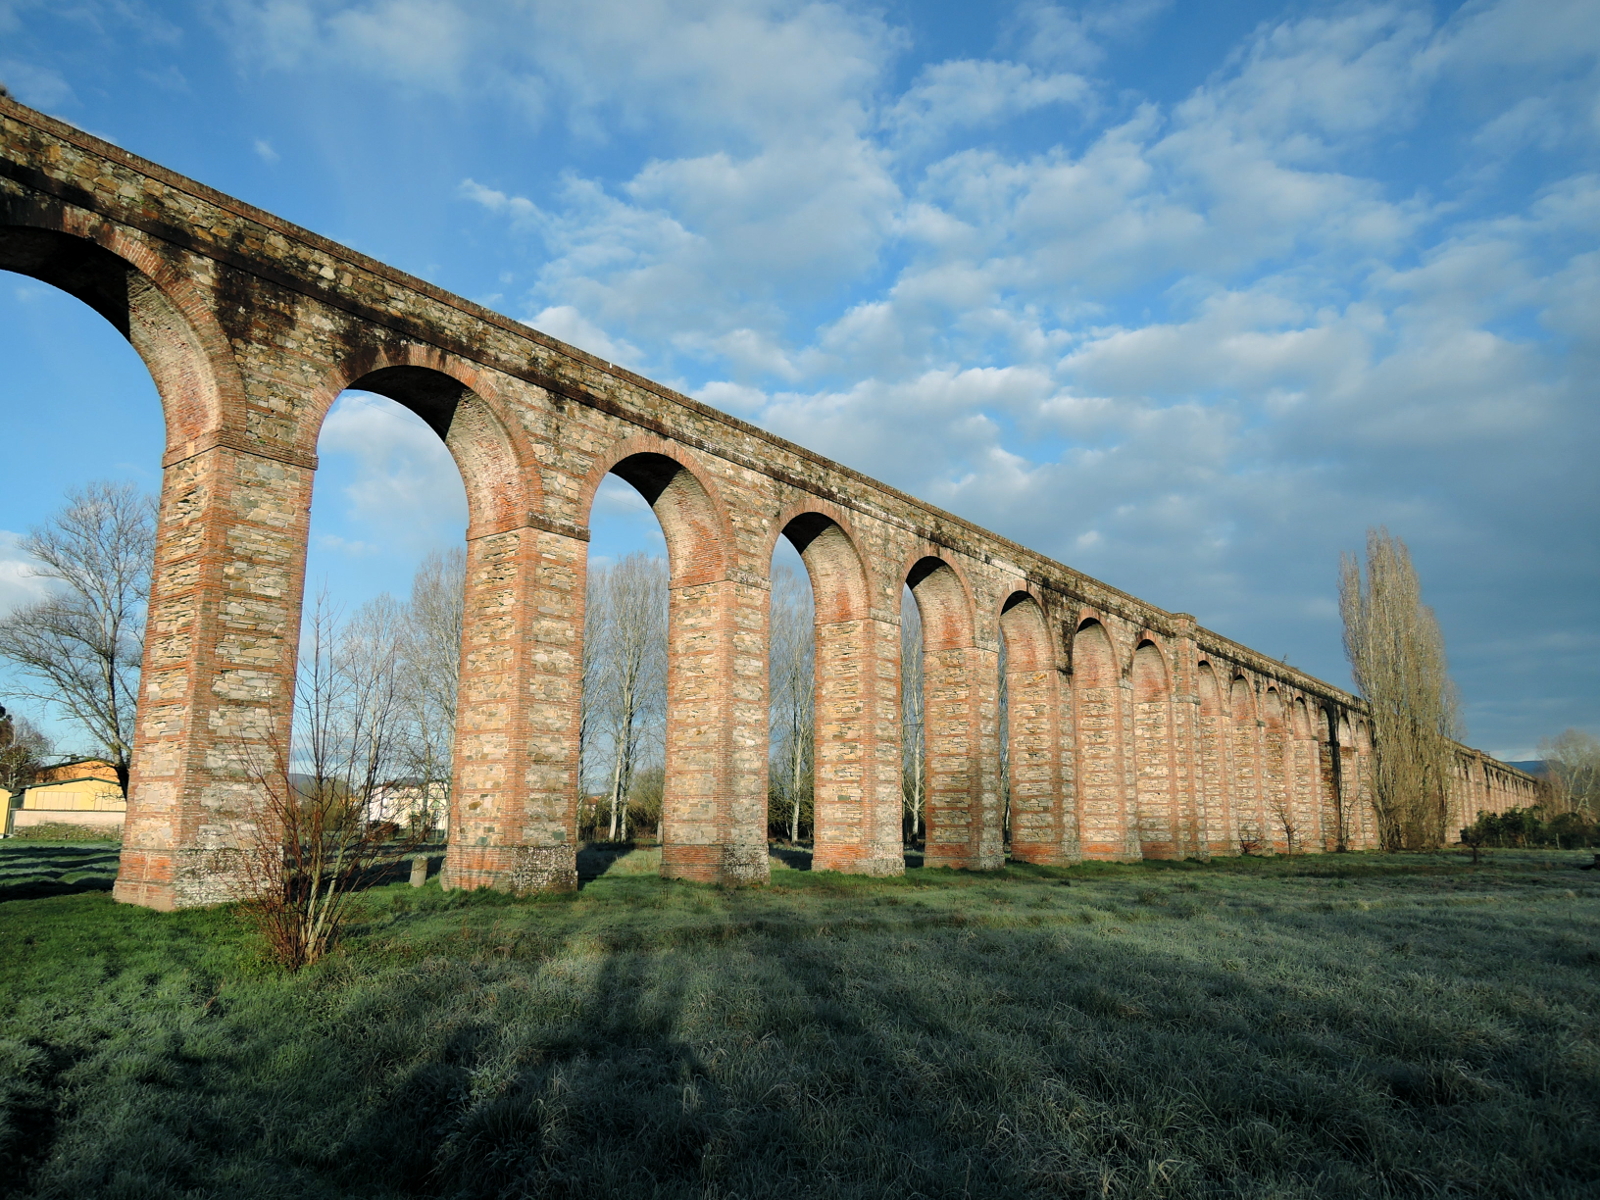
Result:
1397,657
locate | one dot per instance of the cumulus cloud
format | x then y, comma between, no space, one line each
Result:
1193,345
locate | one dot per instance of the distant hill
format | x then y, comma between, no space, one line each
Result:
1533,766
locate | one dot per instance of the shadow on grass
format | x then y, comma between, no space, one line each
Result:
819,1061
34,870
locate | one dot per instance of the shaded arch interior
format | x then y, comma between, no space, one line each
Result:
1026,634
942,601
838,579
686,511
1149,673
1094,660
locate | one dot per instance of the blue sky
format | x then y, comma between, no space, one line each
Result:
1184,295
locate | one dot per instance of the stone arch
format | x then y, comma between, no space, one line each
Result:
714,802
1276,783
218,663
1307,771
834,563
514,786
1366,783
1249,798
1099,715
960,709
1155,800
149,302
693,518
857,756
1218,827
1043,820
457,400
945,602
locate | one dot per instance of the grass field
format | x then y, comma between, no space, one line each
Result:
1358,1025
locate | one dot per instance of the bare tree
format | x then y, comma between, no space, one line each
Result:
592,763
1572,760
315,841
628,701
792,667
913,754
1397,657
431,668
79,648
23,749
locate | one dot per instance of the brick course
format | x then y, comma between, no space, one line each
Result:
1132,731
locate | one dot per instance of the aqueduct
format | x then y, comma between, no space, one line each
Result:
1133,732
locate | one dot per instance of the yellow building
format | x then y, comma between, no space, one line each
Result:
84,794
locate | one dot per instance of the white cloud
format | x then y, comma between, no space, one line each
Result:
1193,346
402,486
18,584
35,84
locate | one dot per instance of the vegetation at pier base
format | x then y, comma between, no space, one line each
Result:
1354,1025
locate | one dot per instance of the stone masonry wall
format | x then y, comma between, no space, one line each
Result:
1132,731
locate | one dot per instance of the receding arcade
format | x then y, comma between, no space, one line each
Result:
1130,731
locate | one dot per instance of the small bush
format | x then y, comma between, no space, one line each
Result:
61,831
1523,828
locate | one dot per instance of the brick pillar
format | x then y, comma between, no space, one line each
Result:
218,680
961,686
514,794
714,811
1042,826
1102,719
858,801
1154,795
1187,796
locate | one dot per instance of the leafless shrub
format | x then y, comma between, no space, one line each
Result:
316,834
79,648
1397,656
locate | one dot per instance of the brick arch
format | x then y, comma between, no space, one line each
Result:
1155,794
1248,787
148,301
945,601
960,706
1210,690
1241,699
693,517
457,401
1277,766
1029,646
1044,827
1272,709
714,806
1151,679
1103,752
857,750
1094,656
1300,719
834,563
1218,831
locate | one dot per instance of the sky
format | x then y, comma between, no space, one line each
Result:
1187,296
